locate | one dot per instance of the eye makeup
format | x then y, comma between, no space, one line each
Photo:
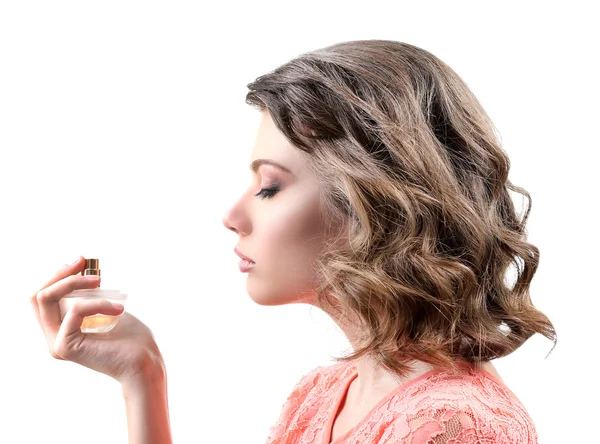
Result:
267,193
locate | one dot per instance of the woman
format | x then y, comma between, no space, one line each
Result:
379,194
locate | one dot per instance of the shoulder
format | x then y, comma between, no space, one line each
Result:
321,377
470,406
318,380
298,411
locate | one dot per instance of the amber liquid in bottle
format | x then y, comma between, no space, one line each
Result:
98,323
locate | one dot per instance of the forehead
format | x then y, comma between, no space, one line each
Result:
270,143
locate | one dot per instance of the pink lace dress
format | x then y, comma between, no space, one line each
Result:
437,407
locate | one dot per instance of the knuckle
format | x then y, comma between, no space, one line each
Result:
42,296
60,350
54,351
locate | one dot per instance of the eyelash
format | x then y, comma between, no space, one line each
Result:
268,192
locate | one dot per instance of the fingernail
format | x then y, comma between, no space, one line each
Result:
118,306
91,277
77,260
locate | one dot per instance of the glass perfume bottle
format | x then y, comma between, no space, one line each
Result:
98,323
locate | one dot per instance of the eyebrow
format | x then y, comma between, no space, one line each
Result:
258,162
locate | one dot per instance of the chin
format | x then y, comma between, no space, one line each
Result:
262,296
270,297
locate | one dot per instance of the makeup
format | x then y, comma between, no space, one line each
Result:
98,323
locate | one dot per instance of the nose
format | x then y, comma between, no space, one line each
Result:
235,221
227,222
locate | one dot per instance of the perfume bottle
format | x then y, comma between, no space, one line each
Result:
98,323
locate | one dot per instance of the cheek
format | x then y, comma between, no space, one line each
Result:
290,238
294,231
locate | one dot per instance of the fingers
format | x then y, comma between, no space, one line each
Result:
48,307
66,270
69,337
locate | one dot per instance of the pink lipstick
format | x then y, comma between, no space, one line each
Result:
246,263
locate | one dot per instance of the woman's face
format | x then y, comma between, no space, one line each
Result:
278,221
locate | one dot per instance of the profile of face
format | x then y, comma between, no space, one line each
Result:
279,222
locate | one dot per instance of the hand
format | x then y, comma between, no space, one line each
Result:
126,352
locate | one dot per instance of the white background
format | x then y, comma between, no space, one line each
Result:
124,136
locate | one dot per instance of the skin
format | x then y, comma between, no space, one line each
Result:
282,234
127,353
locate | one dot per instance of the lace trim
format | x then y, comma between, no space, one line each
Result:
441,408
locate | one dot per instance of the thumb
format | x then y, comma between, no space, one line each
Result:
72,321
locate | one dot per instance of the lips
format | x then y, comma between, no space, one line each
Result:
246,258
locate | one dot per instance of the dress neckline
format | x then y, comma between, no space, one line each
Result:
328,428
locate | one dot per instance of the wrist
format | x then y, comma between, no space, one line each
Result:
146,406
150,372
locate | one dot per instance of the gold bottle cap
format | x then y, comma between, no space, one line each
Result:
91,267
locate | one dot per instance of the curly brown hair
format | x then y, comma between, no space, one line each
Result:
410,163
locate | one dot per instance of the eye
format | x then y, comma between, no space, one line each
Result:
268,192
